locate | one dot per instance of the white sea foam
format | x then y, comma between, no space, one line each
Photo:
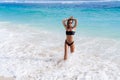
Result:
29,54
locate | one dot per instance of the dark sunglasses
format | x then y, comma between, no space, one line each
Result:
70,22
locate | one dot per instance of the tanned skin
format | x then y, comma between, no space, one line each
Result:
69,38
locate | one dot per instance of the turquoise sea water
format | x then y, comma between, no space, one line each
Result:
94,19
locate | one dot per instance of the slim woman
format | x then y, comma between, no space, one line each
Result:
70,31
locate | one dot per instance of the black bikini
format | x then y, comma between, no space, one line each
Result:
69,44
69,33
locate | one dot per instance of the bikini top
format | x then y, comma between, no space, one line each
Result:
70,32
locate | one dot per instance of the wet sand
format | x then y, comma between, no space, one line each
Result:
6,78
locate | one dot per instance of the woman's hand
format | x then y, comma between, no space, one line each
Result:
65,19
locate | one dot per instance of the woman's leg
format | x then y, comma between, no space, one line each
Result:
66,51
72,48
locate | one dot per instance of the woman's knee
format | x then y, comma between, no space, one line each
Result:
72,49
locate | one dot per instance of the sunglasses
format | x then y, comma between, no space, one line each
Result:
70,22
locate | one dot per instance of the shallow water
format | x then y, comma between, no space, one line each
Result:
94,19
30,54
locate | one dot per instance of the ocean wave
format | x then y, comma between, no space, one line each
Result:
27,54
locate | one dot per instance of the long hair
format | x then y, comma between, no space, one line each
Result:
68,22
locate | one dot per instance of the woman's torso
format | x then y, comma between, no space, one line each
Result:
70,37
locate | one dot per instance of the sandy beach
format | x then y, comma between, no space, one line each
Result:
6,78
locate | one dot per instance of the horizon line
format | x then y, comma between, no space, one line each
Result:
67,2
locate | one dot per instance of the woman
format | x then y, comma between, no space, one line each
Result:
70,31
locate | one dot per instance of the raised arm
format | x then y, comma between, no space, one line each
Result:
75,25
64,23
